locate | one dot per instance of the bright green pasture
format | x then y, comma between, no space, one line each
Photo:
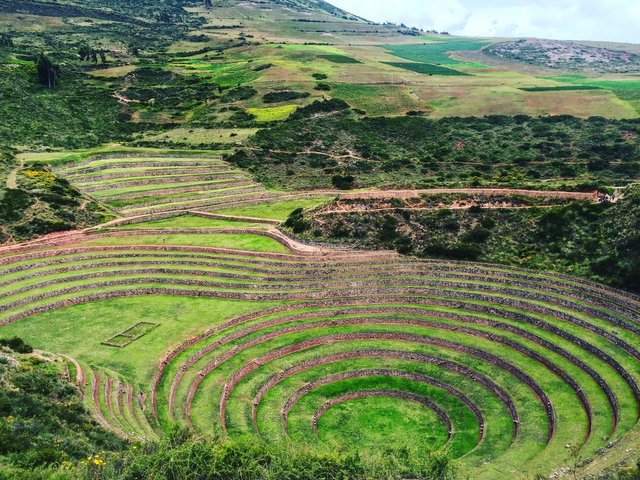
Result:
272,114
189,221
275,211
249,242
371,422
79,330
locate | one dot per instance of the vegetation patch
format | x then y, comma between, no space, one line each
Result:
272,114
560,152
341,59
437,50
561,88
284,96
426,68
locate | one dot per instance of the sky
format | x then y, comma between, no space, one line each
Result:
605,20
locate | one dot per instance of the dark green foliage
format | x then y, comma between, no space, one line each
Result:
562,88
284,96
296,222
87,54
419,152
323,87
238,94
242,118
42,419
426,68
597,241
343,181
5,41
343,59
320,76
16,344
47,72
320,107
262,67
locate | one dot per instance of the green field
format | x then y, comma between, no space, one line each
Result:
426,68
437,50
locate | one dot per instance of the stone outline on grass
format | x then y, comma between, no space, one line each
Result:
129,339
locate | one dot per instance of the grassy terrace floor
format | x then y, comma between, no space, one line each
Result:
146,184
504,367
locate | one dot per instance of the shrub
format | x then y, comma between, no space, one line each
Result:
238,94
343,181
16,344
296,221
320,106
284,96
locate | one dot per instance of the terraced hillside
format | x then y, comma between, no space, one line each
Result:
503,367
147,185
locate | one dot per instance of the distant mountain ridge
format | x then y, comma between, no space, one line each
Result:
319,5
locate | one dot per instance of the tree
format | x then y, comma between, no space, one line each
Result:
208,4
343,181
87,53
47,72
103,57
6,41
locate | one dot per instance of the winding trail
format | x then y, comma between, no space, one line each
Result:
12,178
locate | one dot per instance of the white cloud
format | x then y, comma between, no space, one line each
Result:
612,20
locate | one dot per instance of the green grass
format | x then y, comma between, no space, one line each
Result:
272,114
436,52
63,157
373,421
340,59
254,243
426,68
275,211
78,330
189,221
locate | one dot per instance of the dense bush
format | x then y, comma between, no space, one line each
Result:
16,344
237,94
419,152
284,96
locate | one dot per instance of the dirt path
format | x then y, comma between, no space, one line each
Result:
362,208
405,194
12,178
